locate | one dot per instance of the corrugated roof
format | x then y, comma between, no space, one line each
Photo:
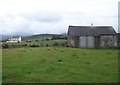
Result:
91,30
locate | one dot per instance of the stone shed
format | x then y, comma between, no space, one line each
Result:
92,37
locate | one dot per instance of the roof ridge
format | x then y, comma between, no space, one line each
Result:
89,26
91,30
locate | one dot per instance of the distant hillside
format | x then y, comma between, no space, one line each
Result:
4,37
44,36
0,37
37,37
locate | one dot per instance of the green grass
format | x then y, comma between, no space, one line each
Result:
60,65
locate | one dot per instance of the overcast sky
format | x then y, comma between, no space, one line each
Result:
54,16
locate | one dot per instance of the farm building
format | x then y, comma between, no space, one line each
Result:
118,37
92,37
14,39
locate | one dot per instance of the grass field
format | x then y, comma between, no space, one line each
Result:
60,65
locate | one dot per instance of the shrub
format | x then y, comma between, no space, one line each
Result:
3,40
37,40
47,45
47,39
63,44
41,44
15,46
54,37
5,46
28,41
34,45
24,44
56,44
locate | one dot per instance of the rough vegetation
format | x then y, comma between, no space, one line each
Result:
36,43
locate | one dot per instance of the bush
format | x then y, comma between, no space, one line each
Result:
24,44
28,41
37,40
5,46
54,37
42,45
47,39
3,40
15,46
47,45
34,45
56,44
63,44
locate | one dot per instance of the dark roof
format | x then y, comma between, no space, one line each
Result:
16,36
91,30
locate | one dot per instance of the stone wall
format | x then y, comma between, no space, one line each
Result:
70,41
104,41
73,41
108,41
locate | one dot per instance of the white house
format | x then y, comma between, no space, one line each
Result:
15,39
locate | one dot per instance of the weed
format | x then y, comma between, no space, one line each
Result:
84,53
59,60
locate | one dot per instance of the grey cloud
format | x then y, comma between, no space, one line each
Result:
27,23
45,17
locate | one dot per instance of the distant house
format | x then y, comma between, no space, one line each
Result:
14,39
92,36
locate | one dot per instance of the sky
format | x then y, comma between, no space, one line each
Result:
54,16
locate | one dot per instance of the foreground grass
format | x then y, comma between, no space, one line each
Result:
60,65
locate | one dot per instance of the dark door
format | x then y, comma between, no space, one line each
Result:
77,41
97,41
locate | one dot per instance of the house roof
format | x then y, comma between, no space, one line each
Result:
91,30
16,36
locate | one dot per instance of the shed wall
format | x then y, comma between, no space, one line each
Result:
108,41
104,41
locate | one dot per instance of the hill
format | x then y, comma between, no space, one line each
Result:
37,37
44,36
4,37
